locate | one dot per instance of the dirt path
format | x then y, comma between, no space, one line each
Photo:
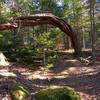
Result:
84,79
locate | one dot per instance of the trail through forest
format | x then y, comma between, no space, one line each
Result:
84,79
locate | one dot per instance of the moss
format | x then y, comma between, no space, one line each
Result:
18,92
57,93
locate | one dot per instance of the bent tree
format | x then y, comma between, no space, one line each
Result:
45,18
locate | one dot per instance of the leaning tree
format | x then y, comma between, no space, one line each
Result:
45,18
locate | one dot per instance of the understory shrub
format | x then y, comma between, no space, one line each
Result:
21,54
57,93
18,92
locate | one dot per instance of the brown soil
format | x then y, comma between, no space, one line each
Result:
84,79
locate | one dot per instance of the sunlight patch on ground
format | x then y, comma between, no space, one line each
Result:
85,96
26,73
5,73
79,70
72,69
73,60
46,75
60,76
42,75
69,51
64,72
37,77
3,60
39,86
90,70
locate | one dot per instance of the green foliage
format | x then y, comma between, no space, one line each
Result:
18,92
45,40
22,55
57,93
65,1
4,12
75,12
51,5
52,58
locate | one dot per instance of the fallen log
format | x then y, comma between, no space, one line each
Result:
45,18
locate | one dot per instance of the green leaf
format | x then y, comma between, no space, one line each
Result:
65,1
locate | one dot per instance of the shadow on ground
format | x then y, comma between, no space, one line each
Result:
85,82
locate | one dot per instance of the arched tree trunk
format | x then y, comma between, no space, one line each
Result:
45,18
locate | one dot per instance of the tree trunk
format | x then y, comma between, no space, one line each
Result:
66,42
83,39
46,19
92,19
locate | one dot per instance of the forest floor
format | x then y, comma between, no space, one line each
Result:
84,79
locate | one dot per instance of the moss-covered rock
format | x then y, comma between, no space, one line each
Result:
18,92
57,93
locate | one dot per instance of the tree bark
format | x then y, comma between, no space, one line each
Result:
39,19
92,19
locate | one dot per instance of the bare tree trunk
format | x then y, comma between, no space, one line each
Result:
83,39
0,13
92,19
66,42
14,40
